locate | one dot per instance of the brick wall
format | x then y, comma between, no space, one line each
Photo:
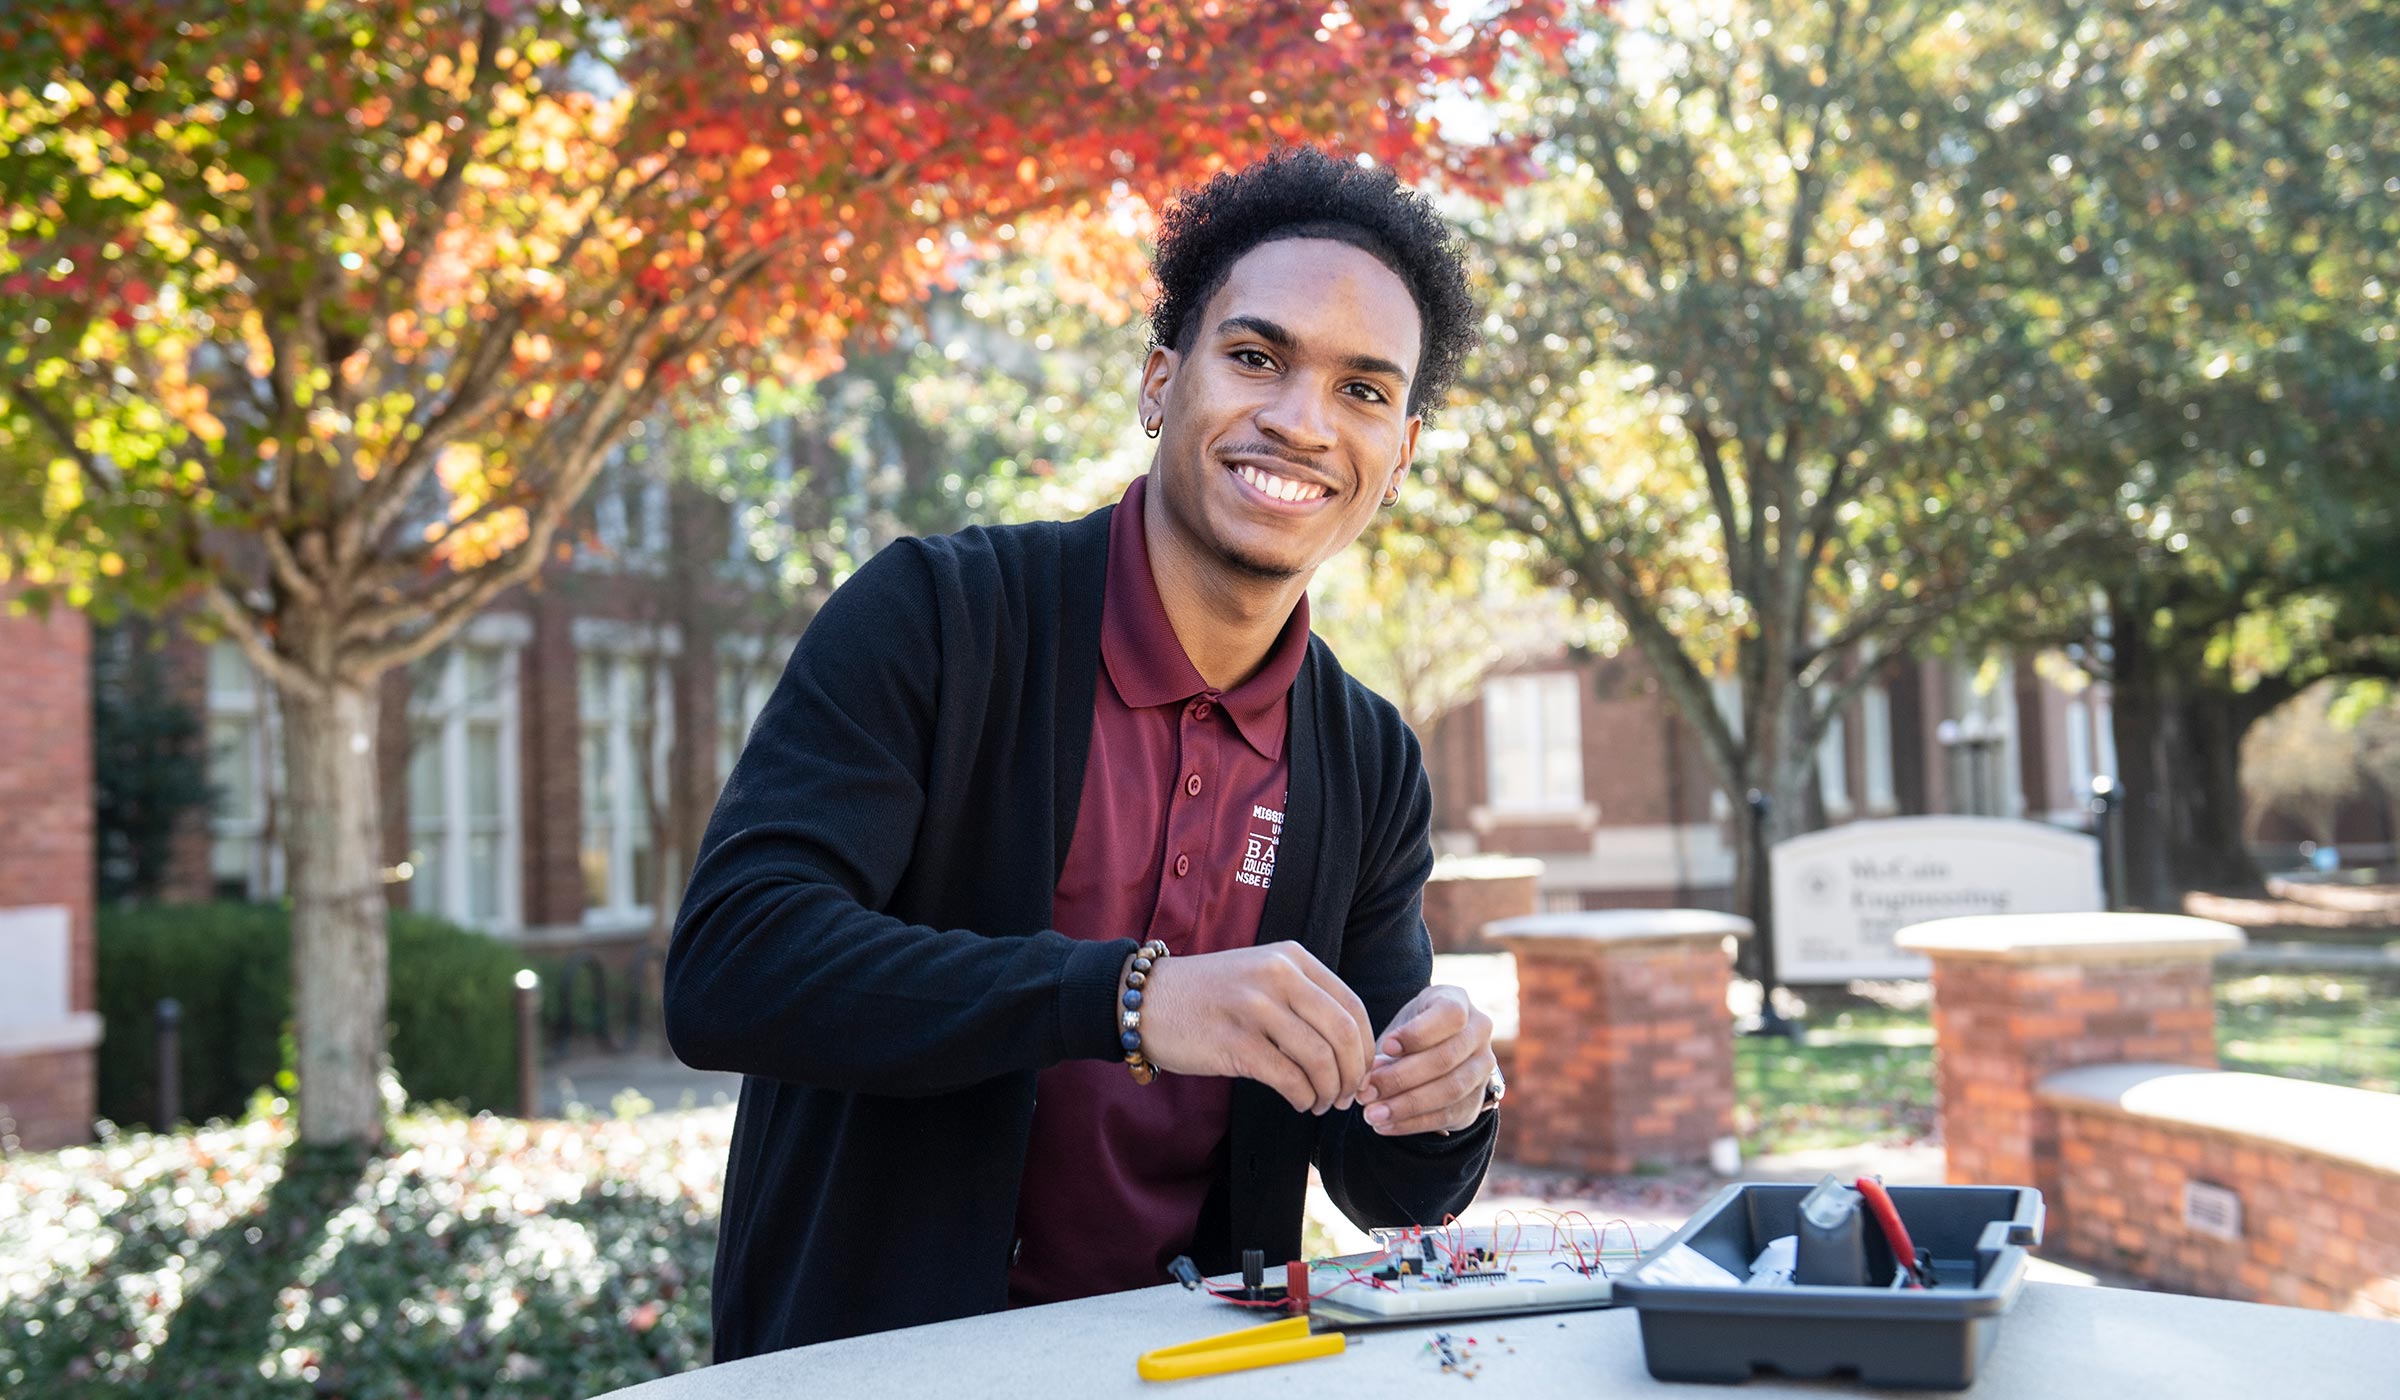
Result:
1623,1059
1458,904
2317,1232
46,852
2019,997
2002,1026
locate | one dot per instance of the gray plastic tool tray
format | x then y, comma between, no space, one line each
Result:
1919,1338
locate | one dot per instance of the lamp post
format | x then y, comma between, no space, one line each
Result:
2110,830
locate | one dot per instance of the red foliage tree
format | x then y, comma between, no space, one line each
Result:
326,311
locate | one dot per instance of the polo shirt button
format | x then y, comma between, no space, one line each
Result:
1183,865
1192,785
1202,709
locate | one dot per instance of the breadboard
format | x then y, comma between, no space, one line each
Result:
1479,1271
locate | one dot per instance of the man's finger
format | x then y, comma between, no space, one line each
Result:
1391,1078
1425,1022
1344,1033
1362,1029
1306,1046
1436,1104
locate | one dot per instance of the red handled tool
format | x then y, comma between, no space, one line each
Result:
1895,1234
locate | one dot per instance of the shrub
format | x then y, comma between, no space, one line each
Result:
452,1016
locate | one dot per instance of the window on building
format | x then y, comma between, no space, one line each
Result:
629,516
626,717
1875,735
1833,766
462,786
743,685
1533,743
245,767
2079,748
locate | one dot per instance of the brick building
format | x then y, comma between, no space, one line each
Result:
545,773
49,1023
1583,762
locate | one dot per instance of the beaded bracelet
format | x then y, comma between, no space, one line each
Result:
1129,1021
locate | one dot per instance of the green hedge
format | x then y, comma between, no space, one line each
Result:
452,1011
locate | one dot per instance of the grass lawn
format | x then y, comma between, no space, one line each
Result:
472,1257
2339,1030
1865,1071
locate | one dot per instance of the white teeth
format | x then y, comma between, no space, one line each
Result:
1280,488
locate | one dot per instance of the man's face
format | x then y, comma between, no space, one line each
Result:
1287,418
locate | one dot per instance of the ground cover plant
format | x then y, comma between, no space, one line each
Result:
470,1257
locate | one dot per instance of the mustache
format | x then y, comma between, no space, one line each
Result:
1262,448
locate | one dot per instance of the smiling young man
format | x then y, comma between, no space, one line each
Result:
1064,906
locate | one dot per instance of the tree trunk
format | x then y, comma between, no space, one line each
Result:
1779,771
2211,852
2137,715
340,963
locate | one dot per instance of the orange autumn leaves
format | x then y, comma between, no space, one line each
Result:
515,226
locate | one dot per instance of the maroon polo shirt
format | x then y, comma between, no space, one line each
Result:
1175,839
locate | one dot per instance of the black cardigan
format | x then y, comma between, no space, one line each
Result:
866,938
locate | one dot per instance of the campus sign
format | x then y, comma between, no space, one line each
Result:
1841,894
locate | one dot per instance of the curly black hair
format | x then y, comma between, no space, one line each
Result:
1304,192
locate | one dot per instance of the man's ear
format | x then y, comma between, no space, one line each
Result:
1158,371
1408,454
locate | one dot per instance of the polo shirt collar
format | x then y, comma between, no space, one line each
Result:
1147,663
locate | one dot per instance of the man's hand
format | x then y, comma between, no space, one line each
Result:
1272,1013
1431,1066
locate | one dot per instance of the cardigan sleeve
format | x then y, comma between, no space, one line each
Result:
782,965
1387,958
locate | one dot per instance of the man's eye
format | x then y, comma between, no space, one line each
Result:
1255,359
1368,392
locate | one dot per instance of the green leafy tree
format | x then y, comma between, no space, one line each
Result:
2209,197
1749,381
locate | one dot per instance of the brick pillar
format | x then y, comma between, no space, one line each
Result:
1624,1047
48,1024
1465,893
2018,996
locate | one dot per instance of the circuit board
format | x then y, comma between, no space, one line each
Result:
1515,1265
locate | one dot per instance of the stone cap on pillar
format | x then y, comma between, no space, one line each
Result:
1608,930
2071,937
2355,1126
1482,866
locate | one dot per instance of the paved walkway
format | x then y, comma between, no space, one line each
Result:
592,1084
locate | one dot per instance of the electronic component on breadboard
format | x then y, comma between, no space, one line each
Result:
1525,1264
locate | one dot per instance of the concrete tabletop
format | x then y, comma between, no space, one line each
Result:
2057,1343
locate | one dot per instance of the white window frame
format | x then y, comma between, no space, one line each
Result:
1875,725
747,673
451,710
257,708
1833,766
623,545
2079,750
1528,702
628,647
